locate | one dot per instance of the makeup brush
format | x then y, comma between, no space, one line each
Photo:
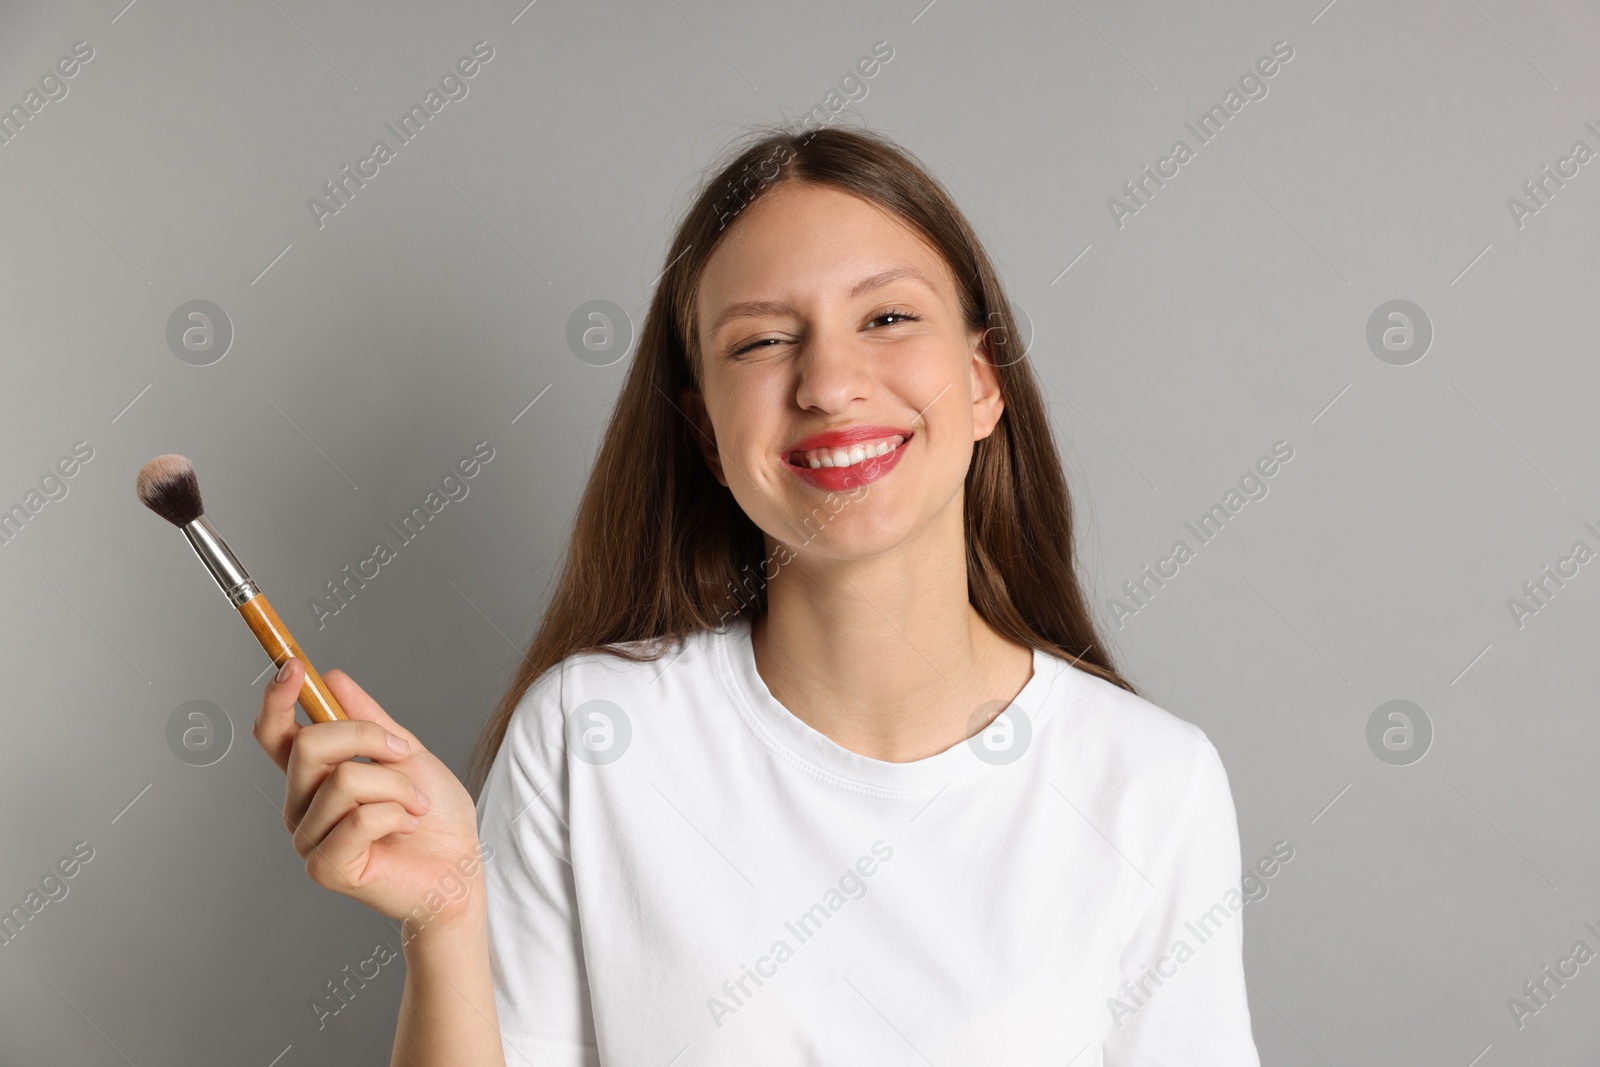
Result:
167,486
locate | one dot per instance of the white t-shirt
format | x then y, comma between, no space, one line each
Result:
685,873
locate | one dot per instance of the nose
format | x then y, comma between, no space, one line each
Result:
834,371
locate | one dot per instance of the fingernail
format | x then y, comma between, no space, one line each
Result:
283,671
398,743
423,799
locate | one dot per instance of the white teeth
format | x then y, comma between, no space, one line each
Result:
850,456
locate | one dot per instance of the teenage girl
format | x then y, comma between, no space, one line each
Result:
817,756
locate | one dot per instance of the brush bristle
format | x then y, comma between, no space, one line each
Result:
167,486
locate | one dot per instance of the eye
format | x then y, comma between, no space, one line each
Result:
899,314
895,313
758,342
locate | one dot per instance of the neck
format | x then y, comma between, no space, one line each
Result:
885,655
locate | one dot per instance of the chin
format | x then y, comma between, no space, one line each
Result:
845,526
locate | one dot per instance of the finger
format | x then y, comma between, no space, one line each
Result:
323,746
343,856
358,705
275,727
349,786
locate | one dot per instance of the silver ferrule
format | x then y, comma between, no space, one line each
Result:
220,561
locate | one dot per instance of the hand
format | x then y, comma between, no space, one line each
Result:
398,834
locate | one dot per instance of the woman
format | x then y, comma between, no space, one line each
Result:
817,757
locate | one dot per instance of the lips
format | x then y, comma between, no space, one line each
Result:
845,459
846,455
845,438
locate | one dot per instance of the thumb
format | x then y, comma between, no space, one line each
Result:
359,705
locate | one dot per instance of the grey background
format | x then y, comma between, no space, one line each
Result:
1228,314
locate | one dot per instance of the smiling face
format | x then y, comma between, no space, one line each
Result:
835,366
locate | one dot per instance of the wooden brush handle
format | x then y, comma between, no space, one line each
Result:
280,645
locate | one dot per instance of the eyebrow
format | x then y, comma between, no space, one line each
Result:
884,277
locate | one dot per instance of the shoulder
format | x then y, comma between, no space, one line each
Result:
632,676
1133,740
1152,782
579,707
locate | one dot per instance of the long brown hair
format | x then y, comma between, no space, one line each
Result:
660,549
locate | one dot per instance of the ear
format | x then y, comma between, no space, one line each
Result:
705,436
987,402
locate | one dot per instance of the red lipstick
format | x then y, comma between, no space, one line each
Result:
864,472
844,438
